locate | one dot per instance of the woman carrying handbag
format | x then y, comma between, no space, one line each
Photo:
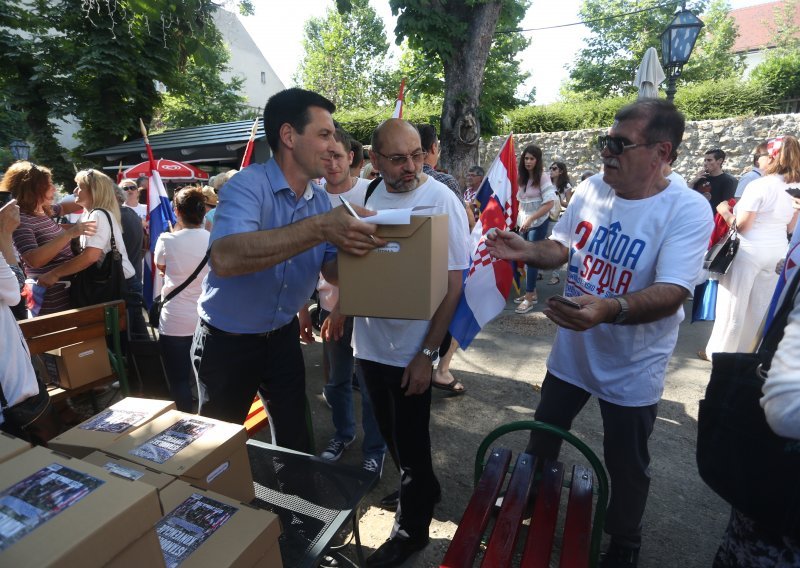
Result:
180,258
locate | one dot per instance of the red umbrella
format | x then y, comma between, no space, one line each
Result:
168,170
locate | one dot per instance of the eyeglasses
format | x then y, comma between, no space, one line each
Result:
400,159
617,144
757,156
554,168
130,188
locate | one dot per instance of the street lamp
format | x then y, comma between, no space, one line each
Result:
20,149
677,42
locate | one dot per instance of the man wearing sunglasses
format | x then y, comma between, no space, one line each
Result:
760,161
634,244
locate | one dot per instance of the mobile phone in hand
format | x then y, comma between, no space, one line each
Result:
793,191
5,197
566,301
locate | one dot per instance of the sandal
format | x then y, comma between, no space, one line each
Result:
554,280
525,306
452,386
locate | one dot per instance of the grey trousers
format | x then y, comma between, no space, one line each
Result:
626,430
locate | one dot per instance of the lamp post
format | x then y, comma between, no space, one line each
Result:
20,149
677,42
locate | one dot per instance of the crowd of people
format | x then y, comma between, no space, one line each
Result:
247,254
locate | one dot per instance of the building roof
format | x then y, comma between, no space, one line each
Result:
756,25
223,142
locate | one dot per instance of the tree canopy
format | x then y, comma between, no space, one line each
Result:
622,30
344,55
97,61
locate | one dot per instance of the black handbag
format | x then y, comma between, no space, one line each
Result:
33,419
738,454
100,283
154,313
720,256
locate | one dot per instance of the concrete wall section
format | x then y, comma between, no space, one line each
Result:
736,136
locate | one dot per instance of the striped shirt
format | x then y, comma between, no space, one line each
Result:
33,232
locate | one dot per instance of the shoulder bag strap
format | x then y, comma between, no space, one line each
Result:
371,188
774,334
110,224
188,281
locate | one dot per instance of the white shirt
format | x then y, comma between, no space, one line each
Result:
395,342
677,179
181,252
328,293
16,372
140,208
766,197
102,238
619,246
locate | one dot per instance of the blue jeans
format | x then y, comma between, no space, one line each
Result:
339,394
532,235
177,354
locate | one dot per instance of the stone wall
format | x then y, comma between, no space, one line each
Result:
736,136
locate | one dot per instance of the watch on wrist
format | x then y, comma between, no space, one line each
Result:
623,310
432,354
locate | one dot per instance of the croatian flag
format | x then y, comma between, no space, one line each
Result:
398,106
160,219
487,281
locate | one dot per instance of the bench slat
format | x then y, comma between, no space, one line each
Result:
44,343
68,319
500,550
465,543
541,534
578,523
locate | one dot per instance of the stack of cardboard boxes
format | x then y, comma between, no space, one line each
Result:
140,484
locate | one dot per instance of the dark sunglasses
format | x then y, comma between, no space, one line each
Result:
757,156
617,144
554,168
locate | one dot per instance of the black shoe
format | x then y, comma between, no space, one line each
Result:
395,551
392,500
619,556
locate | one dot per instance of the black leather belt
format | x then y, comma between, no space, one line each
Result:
217,331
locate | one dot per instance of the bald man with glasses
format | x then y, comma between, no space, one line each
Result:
634,244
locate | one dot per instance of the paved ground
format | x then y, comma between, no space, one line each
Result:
503,370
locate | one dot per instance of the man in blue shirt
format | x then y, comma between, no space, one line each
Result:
274,232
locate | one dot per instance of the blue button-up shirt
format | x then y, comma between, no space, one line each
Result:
256,199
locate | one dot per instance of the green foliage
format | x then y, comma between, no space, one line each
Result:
203,97
779,75
97,60
706,100
361,123
344,53
622,30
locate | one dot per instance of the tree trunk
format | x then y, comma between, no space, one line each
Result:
460,130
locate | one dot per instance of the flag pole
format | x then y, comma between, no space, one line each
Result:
248,151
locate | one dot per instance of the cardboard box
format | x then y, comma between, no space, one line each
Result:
144,553
11,446
204,452
406,279
130,470
60,511
107,426
229,534
81,363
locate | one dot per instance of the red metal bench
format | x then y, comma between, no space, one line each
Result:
580,541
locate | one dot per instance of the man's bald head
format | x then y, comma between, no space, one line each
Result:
388,129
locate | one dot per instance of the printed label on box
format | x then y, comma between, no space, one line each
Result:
189,525
114,421
40,497
169,442
121,471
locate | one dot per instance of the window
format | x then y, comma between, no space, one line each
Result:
264,77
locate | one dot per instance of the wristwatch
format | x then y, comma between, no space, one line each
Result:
623,310
432,354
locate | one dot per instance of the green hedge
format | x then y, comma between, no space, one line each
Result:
361,123
699,101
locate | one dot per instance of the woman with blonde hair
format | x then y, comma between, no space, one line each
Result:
763,216
95,193
42,243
